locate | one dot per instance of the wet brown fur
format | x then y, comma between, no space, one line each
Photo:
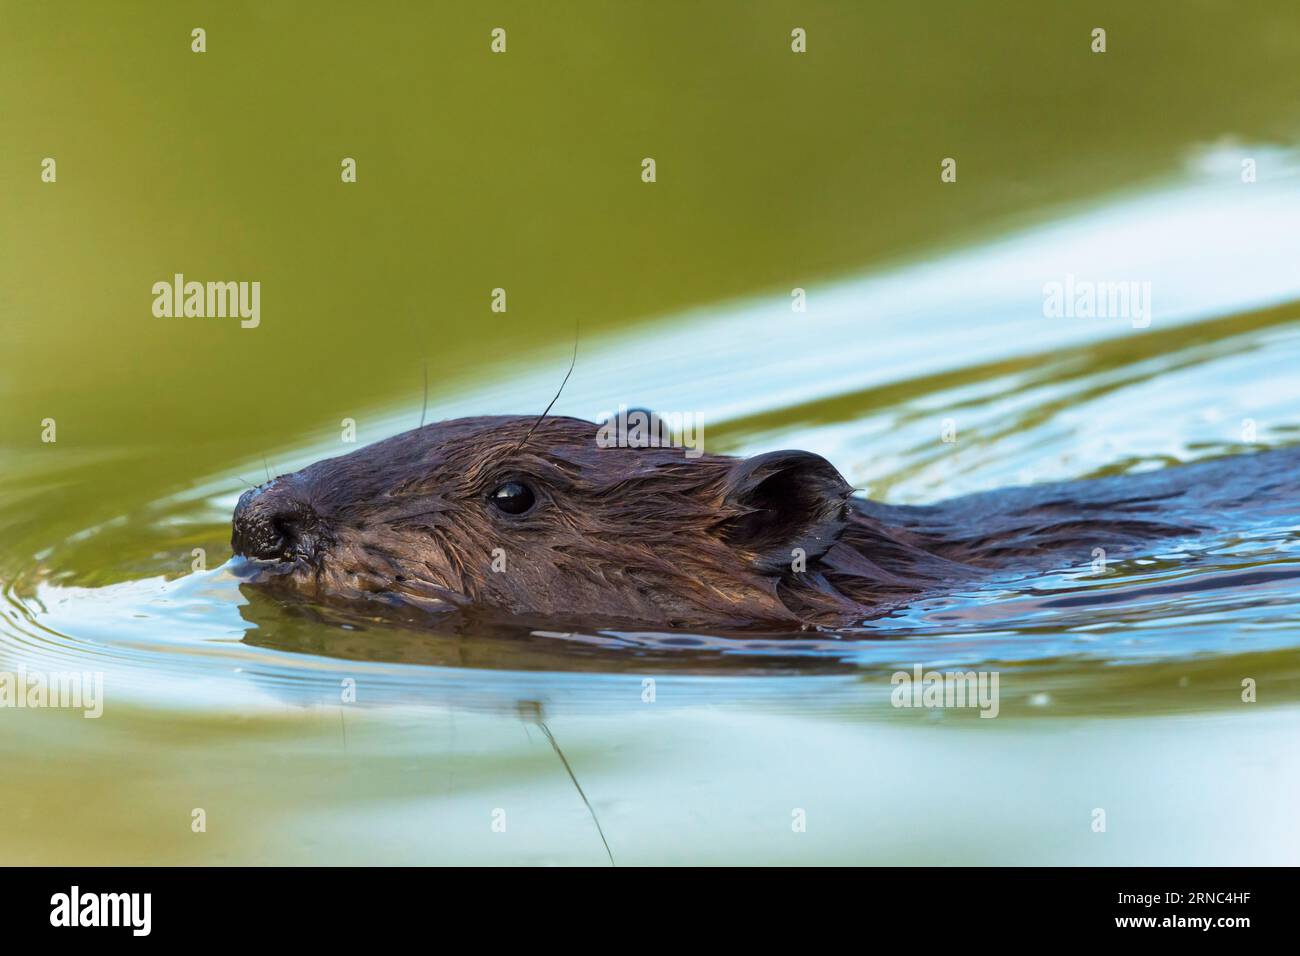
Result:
649,537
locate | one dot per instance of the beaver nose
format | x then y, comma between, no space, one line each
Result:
271,523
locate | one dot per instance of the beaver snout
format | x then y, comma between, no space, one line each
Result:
274,524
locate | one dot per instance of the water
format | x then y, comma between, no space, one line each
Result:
1121,691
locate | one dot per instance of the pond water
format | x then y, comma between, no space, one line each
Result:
312,735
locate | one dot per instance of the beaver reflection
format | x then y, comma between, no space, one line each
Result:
391,635
523,518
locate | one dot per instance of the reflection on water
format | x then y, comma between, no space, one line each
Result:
698,745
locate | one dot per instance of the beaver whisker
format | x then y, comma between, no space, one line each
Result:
424,405
569,770
572,362
402,519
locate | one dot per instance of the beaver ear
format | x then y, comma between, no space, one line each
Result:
785,500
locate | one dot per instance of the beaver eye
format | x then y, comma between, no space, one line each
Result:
513,497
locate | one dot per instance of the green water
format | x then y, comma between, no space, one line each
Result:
522,171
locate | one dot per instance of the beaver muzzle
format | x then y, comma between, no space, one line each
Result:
272,523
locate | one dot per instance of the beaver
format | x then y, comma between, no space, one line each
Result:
531,518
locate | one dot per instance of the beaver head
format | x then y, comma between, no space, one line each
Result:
534,518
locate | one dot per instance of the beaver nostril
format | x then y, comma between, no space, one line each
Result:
270,525
288,527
